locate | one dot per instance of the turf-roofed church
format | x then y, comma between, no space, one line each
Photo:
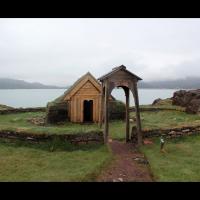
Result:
84,99
80,103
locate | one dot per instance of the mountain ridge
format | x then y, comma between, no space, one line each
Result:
187,83
8,83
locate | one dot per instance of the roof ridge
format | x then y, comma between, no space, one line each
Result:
76,83
115,69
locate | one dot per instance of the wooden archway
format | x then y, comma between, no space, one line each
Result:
120,77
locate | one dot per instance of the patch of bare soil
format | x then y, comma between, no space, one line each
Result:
128,165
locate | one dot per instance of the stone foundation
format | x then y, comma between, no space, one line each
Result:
167,133
79,138
22,110
57,112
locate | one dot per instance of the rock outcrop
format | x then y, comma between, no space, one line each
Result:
156,101
189,99
162,102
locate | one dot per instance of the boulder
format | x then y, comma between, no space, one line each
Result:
193,107
189,99
162,102
156,101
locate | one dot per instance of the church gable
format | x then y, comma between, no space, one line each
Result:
88,89
87,84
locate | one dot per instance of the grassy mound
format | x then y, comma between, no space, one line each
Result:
4,107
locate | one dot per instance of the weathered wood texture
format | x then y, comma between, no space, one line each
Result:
120,77
127,115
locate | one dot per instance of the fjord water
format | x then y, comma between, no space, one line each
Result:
40,97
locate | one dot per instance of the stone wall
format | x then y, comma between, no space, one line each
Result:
167,133
93,136
152,109
57,112
22,110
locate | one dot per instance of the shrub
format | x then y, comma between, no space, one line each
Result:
117,110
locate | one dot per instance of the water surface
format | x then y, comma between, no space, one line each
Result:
40,97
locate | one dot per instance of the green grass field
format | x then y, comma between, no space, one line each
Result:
19,121
20,161
167,119
181,162
150,120
155,120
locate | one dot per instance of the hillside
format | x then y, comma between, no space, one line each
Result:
187,83
6,83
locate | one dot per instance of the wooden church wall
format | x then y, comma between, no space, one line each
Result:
87,92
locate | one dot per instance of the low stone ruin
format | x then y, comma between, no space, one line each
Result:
156,101
189,99
79,138
39,121
57,112
117,110
167,133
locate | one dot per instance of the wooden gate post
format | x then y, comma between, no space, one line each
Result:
121,77
127,114
137,112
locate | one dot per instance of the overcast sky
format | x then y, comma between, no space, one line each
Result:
58,51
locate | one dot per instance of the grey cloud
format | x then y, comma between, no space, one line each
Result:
58,51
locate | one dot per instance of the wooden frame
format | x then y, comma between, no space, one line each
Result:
120,77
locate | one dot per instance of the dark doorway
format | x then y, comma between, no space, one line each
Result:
88,111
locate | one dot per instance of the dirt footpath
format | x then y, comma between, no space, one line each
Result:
128,165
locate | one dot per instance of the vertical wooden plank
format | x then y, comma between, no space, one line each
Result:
106,114
69,110
81,103
127,114
94,109
137,112
102,106
78,106
72,111
75,108
97,109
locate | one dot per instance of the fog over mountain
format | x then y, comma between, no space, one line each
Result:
59,51
7,83
187,83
